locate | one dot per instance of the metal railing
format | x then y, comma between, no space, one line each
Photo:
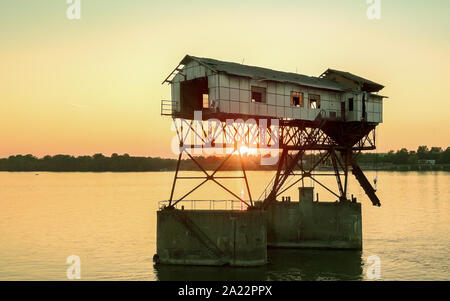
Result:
169,107
206,205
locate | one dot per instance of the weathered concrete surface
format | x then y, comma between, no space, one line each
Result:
308,224
212,237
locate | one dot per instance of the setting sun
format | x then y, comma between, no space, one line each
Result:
244,150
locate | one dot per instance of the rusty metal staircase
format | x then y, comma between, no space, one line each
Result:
369,190
270,192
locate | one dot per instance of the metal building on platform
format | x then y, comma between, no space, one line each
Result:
333,116
224,88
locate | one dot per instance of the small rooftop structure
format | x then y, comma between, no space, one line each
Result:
222,89
352,80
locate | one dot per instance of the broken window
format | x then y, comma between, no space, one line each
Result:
258,94
205,101
296,99
350,104
314,101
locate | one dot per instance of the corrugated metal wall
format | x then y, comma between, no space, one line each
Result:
232,94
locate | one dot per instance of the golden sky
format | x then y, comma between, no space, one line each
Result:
94,85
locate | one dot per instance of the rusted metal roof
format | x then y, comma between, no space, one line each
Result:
264,74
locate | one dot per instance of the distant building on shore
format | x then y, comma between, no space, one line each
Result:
428,162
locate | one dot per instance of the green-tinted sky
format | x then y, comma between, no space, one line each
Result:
94,85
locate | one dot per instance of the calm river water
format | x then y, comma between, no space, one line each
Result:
109,221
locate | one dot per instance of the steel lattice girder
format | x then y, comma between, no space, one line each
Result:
286,136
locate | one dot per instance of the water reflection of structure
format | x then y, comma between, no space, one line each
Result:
284,264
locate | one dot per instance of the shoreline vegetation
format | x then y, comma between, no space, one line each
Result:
423,159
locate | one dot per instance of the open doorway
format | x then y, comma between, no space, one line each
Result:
194,95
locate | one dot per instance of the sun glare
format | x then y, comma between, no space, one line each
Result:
244,150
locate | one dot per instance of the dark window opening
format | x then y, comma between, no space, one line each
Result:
256,97
192,96
297,99
258,94
350,104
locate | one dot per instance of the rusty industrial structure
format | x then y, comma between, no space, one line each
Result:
224,105
335,114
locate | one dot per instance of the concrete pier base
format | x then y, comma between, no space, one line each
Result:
241,238
212,237
308,224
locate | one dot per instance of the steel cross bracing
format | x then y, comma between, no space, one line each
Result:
290,141
188,135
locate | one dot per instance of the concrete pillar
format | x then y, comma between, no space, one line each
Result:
211,237
308,224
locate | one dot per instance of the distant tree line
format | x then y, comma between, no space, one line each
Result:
126,163
95,163
403,156
118,163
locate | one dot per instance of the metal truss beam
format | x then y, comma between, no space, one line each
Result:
290,140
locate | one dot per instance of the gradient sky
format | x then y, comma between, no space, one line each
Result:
94,85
